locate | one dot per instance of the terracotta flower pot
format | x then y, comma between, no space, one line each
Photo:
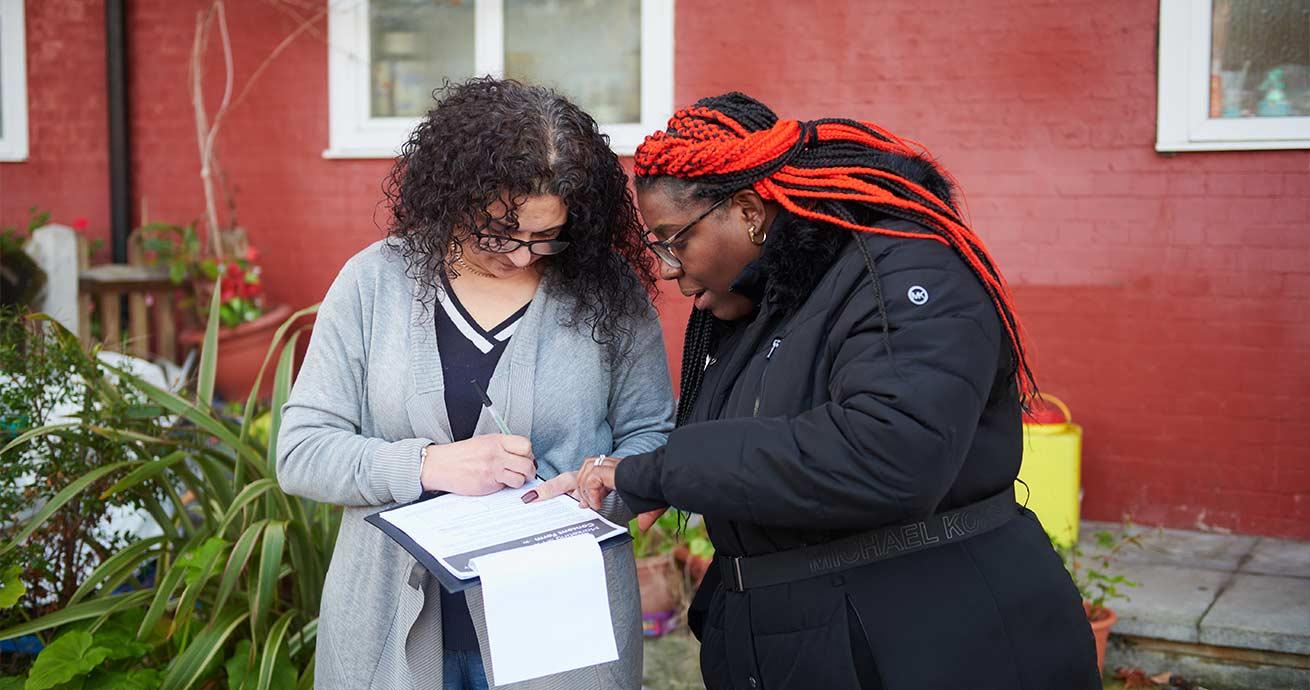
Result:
1101,624
659,582
696,565
241,352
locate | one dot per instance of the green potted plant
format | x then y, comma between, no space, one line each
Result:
696,554
658,578
247,323
1092,573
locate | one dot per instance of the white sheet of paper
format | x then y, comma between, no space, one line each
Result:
457,529
547,609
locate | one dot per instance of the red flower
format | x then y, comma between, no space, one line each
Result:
231,281
79,224
252,254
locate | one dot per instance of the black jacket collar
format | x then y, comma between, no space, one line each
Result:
795,256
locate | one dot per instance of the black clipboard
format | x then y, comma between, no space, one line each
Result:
448,581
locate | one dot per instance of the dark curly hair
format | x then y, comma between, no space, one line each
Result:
487,138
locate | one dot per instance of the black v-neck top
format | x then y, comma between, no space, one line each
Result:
468,353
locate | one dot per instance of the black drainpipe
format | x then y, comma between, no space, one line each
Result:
120,163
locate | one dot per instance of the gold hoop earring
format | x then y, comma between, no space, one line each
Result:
756,239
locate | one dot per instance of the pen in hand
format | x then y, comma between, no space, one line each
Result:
495,416
486,402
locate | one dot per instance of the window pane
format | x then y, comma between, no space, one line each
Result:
590,50
414,45
1260,58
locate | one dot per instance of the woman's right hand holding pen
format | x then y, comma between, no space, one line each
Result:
478,466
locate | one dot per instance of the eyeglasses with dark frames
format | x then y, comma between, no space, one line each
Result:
504,244
664,248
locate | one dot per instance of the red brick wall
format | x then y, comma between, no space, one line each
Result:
1167,296
67,169
306,214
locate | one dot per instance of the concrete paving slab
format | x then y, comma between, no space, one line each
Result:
1169,602
1207,550
1267,612
672,662
1198,664
1279,557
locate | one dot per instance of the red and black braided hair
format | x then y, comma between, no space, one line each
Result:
832,171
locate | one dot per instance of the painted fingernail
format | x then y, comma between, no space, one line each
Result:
530,496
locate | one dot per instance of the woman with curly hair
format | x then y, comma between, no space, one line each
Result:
514,264
849,424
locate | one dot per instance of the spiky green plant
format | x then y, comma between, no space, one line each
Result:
237,570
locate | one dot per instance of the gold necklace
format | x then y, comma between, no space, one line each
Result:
457,259
473,269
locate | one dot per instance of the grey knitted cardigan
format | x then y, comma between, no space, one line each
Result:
370,397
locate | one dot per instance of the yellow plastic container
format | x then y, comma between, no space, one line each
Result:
1052,462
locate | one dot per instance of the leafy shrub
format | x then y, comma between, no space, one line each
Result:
91,421
1092,571
237,569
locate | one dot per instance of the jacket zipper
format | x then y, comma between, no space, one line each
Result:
765,374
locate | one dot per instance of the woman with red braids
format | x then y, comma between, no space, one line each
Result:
849,422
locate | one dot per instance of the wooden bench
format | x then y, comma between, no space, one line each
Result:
72,287
147,289
107,284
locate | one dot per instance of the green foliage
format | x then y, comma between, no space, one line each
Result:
73,654
83,658
239,310
672,528
660,538
134,679
238,279
260,427
12,238
238,568
195,563
701,547
242,673
20,278
1092,571
11,586
697,538
47,374
174,246
118,634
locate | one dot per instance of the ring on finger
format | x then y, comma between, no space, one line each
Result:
600,461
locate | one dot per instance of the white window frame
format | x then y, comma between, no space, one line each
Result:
1183,102
13,79
354,133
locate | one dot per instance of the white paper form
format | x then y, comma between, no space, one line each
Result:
457,529
547,609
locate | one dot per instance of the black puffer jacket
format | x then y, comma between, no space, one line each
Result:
817,422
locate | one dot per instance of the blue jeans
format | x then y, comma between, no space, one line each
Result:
462,671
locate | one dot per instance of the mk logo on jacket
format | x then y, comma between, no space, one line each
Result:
889,541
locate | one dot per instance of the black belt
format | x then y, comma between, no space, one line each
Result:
741,573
